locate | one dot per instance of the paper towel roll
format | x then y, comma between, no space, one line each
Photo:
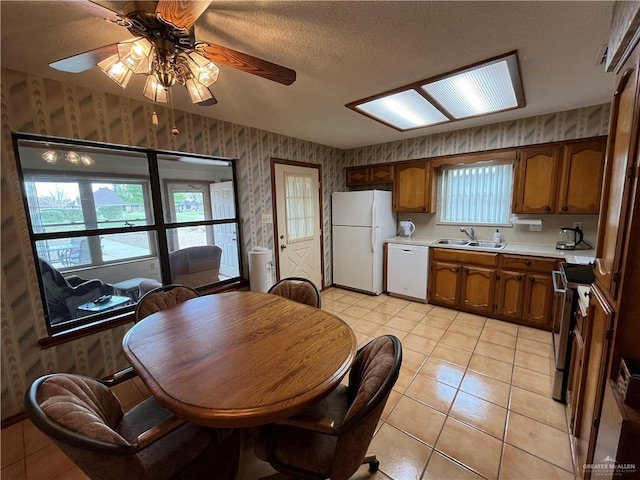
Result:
260,269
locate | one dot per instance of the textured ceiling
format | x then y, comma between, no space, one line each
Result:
343,51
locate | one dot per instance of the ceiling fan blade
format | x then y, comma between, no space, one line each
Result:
84,61
247,63
95,9
181,13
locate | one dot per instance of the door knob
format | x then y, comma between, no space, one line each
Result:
282,247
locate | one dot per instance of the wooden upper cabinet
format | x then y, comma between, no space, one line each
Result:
412,187
615,213
357,176
369,175
477,289
581,179
536,180
381,174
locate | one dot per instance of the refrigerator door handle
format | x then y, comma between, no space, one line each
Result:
373,223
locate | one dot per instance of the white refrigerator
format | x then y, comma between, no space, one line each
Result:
361,221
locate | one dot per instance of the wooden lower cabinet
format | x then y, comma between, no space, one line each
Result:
475,282
525,298
538,294
589,402
618,438
445,283
575,381
477,289
510,295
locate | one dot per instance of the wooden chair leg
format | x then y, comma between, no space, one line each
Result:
373,462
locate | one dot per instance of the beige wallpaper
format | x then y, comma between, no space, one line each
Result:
36,105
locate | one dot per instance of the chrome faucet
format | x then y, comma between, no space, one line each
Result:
472,235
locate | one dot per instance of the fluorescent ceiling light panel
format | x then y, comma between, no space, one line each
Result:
403,110
487,87
483,90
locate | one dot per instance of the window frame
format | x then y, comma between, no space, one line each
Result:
157,225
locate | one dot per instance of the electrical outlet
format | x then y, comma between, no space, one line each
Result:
267,218
577,225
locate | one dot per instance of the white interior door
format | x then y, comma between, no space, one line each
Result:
224,236
298,220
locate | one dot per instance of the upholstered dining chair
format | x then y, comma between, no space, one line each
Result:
86,421
331,439
298,289
163,297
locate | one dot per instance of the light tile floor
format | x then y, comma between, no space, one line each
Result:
473,400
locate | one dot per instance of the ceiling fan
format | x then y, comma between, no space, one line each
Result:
165,49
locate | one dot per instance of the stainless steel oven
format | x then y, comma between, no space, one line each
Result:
562,309
565,295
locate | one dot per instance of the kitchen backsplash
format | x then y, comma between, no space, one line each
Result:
427,227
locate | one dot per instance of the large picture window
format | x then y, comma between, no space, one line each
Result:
108,223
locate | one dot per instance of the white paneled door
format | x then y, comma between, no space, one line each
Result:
298,220
224,235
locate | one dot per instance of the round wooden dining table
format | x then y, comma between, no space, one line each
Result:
240,359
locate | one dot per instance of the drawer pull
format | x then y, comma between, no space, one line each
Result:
527,263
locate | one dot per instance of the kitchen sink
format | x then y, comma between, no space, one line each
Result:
497,246
460,243
467,243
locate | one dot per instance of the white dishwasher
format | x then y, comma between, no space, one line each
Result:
407,267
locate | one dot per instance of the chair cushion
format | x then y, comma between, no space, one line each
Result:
82,405
302,448
156,301
370,370
171,453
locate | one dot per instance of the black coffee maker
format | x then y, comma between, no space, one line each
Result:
569,238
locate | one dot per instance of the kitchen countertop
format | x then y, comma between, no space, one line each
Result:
515,248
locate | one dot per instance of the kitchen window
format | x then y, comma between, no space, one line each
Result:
477,194
103,219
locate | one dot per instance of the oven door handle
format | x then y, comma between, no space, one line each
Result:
554,275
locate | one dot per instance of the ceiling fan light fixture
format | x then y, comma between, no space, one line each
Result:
86,160
203,69
72,157
116,70
197,91
51,157
154,90
137,54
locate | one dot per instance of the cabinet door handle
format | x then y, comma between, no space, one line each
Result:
519,277
547,208
466,270
564,208
531,279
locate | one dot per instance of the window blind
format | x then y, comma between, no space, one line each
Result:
476,194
